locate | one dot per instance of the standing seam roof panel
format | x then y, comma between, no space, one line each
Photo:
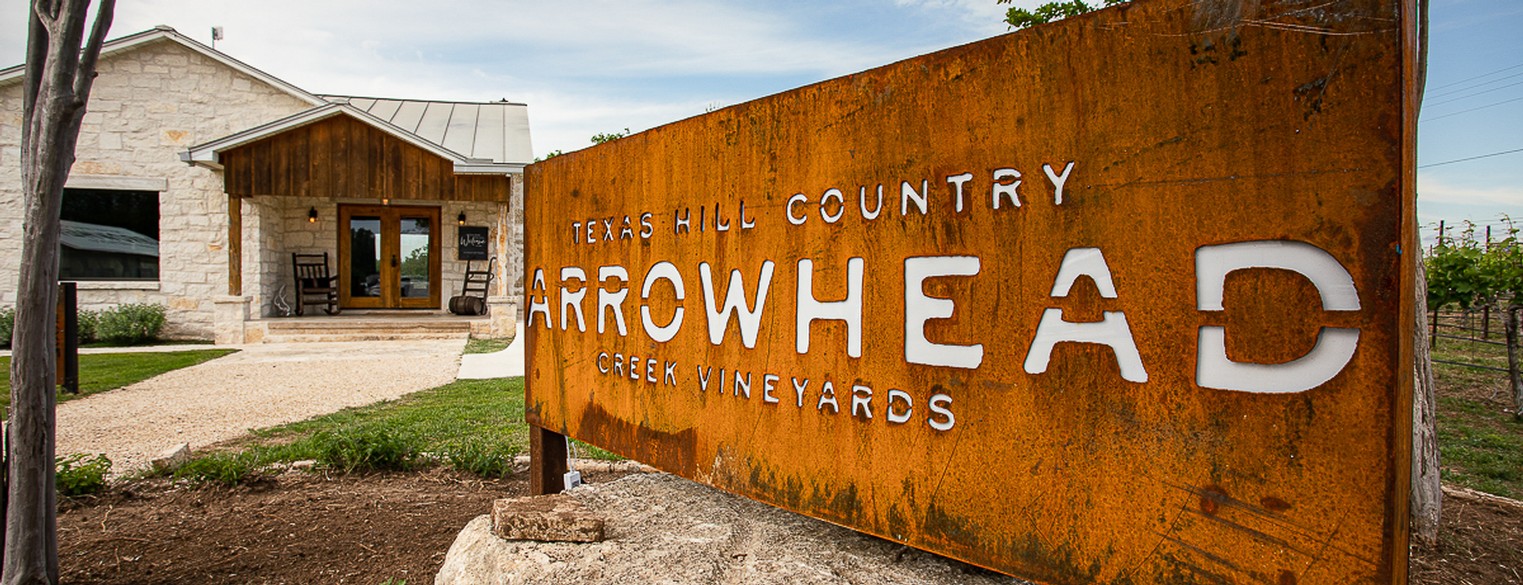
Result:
460,135
435,122
489,133
408,116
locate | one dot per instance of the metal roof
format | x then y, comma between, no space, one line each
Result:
209,154
494,131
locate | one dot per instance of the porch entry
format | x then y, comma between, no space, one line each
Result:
388,257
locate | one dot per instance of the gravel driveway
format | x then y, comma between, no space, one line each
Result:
261,386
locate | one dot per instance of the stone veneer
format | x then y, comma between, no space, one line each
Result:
147,106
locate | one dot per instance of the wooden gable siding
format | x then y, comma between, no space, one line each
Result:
344,158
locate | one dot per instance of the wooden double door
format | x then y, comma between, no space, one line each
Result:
388,257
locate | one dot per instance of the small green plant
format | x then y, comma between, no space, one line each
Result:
365,448
482,458
79,474
229,468
7,324
131,324
391,581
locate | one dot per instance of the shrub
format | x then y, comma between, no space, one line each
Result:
364,449
79,475
89,323
131,324
7,324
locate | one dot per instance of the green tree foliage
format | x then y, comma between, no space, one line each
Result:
1468,272
604,137
1019,18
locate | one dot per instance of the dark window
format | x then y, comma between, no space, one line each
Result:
109,235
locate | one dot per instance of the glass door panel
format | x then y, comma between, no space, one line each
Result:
365,256
389,257
416,244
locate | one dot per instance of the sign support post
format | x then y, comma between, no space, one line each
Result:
547,461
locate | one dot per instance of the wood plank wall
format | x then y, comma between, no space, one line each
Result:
345,158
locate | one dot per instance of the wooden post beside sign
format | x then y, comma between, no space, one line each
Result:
67,341
1125,298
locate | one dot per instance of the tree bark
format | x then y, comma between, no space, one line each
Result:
59,74
1427,493
1427,490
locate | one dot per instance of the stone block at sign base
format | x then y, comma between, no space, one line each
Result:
664,529
172,458
549,518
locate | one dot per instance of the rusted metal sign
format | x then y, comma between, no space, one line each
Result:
1122,299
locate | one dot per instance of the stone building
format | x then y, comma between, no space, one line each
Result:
197,177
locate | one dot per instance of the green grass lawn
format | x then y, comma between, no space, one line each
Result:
1480,443
475,345
475,426
100,372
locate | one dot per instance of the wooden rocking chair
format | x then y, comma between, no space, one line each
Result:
314,285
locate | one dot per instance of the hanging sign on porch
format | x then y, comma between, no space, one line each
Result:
1124,298
473,243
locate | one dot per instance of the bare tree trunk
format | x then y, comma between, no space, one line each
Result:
56,87
1427,490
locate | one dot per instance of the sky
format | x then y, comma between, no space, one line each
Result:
593,66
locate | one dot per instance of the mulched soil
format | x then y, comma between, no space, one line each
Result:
303,528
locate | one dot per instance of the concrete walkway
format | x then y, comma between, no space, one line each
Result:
260,386
499,364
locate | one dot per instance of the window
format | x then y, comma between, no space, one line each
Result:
109,234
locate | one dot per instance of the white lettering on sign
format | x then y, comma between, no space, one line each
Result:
612,301
919,308
734,304
661,271
1334,347
1112,331
849,309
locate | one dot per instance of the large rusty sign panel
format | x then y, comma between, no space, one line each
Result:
1121,299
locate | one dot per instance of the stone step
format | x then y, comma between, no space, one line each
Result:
317,330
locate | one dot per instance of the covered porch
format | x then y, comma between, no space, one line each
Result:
395,217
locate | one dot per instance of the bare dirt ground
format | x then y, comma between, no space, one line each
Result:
302,528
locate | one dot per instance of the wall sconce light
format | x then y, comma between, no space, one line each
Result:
460,220
312,215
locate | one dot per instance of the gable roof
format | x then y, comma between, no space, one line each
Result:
163,33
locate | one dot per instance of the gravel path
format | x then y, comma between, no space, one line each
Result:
261,386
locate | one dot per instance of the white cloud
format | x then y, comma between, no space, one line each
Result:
1434,190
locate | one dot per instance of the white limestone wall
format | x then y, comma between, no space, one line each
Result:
148,105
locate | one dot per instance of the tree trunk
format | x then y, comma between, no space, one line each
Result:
1427,497
57,84
1427,491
